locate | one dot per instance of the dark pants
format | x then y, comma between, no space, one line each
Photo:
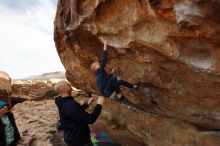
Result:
113,85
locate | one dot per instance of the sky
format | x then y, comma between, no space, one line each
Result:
26,38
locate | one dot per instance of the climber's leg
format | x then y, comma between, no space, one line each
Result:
111,86
126,84
115,85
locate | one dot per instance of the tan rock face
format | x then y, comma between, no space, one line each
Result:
160,131
32,89
5,86
172,47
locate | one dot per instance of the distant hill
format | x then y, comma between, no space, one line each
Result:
46,76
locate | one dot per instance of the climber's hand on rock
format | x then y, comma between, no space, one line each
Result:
101,100
91,100
105,44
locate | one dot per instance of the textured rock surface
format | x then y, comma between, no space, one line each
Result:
160,131
172,47
32,89
5,86
36,122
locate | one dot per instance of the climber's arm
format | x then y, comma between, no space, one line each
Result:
104,55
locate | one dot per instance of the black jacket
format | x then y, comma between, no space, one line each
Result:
74,120
2,130
101,75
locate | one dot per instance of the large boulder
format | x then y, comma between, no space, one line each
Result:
5,86
171,46
32,89
159,130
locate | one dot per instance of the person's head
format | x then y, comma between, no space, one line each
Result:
63,88
95,65
3,108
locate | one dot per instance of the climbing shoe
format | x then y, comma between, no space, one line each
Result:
123,100
136,86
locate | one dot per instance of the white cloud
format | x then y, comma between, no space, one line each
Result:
26,39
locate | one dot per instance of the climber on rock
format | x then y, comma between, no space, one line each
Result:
107,83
